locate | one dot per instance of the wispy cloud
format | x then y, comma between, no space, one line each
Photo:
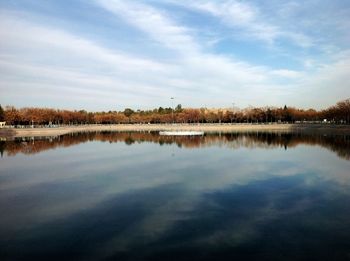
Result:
153,22
55,62
207,72
287,73
66,66
246,18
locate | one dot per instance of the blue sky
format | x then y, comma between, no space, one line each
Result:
110,54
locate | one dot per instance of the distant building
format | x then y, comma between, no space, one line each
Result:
2,124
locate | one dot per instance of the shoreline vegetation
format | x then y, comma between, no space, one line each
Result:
50,122
325,128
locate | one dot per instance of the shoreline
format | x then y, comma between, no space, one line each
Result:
207,128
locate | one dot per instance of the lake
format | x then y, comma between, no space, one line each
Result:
141,196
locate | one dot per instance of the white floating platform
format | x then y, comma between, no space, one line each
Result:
181,133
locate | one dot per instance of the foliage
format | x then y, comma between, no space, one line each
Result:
2,114
339,113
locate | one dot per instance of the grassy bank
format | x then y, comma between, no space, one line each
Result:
30,132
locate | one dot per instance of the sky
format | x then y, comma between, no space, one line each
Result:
109,54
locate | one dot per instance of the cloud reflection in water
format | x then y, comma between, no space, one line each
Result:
230,196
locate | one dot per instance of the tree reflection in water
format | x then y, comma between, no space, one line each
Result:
340,144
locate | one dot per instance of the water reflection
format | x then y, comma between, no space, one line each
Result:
339,144
256,196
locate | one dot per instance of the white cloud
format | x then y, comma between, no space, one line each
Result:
154,23
23,38
248,19
328,84
238,15
287,73
60,66
53,64
206,72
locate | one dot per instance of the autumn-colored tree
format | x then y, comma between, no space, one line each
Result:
344,110
228,116
211,117
12,115
339,113
191,115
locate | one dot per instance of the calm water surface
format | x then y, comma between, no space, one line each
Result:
141,196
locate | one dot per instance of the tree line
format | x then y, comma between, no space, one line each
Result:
339,114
